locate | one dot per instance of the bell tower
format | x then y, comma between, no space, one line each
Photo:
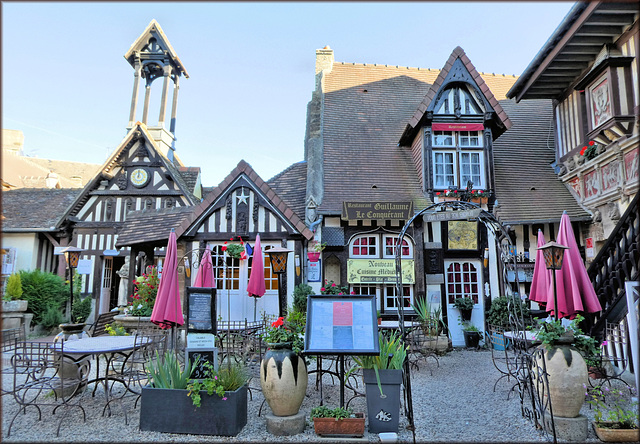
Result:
152,57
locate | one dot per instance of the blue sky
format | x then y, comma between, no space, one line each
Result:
67,86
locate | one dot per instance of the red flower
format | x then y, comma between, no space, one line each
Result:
591,143
584,148
278,322
438,193
455,191
480,191
224,247
322,289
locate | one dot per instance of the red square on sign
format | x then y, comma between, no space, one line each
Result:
589,242
343,313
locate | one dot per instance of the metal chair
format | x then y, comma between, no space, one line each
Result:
43,376
104,319
10,339
613,361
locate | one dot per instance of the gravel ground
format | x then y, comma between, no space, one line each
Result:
452,402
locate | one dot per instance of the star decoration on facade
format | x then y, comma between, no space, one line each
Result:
242,198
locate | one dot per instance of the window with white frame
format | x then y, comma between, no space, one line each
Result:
365,246
460,98
390,242
381,246
462,280
465,161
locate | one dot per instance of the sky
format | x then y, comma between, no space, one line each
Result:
251,66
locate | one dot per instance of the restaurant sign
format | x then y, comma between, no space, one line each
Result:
377,210
378,271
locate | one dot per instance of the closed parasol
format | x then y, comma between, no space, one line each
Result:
167,310
204,277
256,287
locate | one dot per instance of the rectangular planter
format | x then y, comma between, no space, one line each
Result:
383,411
342,427
172,411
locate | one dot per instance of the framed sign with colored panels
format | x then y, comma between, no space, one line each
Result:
341,326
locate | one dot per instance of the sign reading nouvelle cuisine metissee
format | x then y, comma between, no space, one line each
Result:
372,271
377,210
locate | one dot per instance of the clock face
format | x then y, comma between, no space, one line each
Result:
139,177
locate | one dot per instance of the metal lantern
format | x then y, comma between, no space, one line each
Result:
278,257
72,255
553,256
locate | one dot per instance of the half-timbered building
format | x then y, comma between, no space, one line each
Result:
383,142
589,69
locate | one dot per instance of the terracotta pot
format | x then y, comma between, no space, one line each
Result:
283,378
567,374
617,435
341,427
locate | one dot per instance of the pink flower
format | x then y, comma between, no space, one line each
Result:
224,399
322,289
333,285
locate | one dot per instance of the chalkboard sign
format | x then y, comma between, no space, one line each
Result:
341,325
201,313
205,356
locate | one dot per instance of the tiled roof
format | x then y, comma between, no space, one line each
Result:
527,188
291,186
31,172
35,209
246,169
151,226
190,176
366,109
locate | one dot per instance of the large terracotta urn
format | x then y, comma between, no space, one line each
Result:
567,373
283,378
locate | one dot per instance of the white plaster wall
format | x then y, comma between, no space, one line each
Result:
26,245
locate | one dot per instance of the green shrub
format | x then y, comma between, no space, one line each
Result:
499,312
81,308
43,289
14,288
300,293
52,318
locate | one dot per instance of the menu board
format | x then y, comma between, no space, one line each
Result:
200,372
201,312
341,325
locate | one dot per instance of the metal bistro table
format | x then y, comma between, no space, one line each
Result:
109,346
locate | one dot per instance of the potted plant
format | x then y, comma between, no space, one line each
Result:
379,317
448,195
498,318
338,422
471,335
382,376
563,349
11,301
315,248
174,403
283,371
138,311
615,413
465,305
331,287
432,326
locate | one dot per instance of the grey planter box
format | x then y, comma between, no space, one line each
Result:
172,411
383,412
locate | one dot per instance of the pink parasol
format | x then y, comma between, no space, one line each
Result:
167,310
541,281
575,291
256,287
204,278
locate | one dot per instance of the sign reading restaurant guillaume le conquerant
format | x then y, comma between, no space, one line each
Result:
377,210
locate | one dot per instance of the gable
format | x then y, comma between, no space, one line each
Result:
243,203
137,176
457,72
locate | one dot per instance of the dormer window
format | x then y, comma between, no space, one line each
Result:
458,157
458,100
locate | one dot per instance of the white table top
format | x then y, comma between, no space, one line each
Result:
388,325
99,344
528,335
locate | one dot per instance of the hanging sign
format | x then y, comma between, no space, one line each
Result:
457,127
373,271
590,250
85,266
314,271
377,210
